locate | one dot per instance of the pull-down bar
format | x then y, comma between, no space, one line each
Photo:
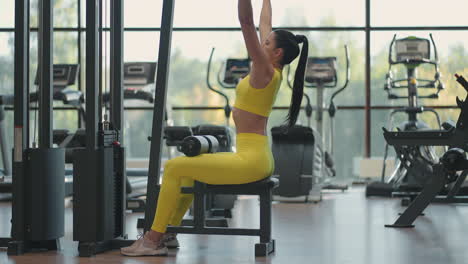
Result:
159,110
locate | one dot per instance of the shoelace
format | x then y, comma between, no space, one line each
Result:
166,238
140,235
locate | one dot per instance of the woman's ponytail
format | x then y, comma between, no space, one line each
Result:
298,86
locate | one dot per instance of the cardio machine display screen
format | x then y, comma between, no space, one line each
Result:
63,75
139,74
321,70
236,69
412,49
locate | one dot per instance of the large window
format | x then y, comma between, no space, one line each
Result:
424,13
142,13
65,13
202,25
7,15
6,62
214,13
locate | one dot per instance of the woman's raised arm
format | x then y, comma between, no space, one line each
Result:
261,66
265,20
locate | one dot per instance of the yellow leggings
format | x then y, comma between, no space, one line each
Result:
252,162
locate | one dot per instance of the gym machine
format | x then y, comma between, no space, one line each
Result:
262,188
64,75
309,165
99,169
410,52
100,226
38,171
448,173
137,76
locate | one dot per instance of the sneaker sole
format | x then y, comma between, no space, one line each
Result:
144,255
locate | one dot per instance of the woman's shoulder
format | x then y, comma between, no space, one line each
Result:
278,73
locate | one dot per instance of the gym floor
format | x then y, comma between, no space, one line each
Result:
345,228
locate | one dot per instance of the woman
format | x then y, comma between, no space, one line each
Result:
255,96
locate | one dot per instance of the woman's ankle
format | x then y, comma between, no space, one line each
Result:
154,236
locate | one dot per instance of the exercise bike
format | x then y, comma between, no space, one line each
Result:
411,52
309,165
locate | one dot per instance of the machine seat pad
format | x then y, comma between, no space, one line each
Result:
247,188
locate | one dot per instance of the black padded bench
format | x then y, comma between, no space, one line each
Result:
263,188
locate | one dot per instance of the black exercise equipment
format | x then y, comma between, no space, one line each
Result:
38,173
301,157
64,75
410,52
263,188
138,77
99,168
451,170
303,165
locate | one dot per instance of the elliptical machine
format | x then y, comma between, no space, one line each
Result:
410,52
309,165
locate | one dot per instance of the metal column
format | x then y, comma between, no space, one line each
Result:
45,73
116,65
116,107
99,170
80,88
21,115
159,110
92,72
38,172
368,142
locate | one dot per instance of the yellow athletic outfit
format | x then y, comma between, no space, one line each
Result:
252,162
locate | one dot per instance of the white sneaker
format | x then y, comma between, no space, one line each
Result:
135,244
170,240
144,247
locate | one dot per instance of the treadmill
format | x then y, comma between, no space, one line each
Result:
64,76
139,78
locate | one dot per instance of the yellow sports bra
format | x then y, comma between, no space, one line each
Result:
258,101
